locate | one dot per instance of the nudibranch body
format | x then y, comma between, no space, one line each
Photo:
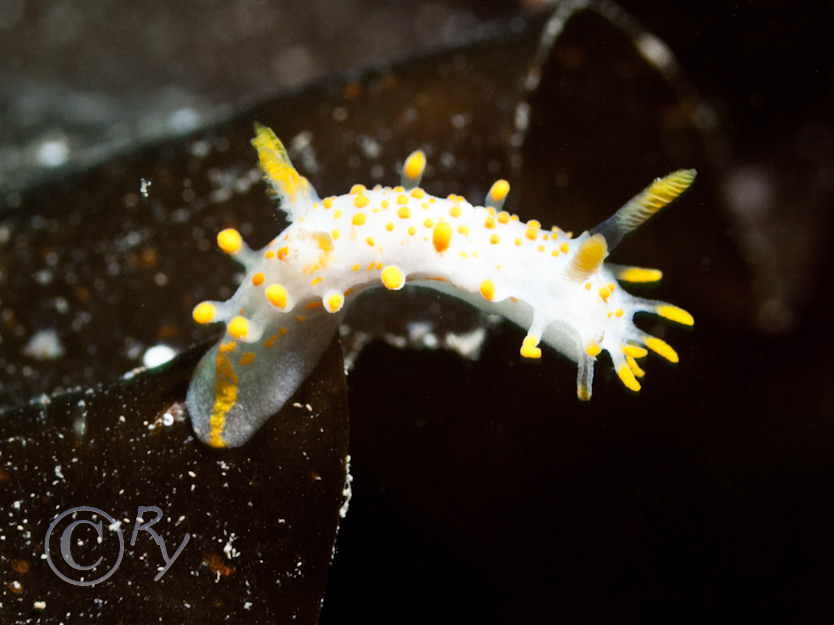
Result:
289,305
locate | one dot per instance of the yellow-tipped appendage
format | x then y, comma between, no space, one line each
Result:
637,274
413,169
497,194
530,348
230,241
675,313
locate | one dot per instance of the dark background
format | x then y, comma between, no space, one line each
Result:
710,501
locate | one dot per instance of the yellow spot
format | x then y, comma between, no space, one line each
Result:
335,233
361,201
389,226
238,327
463,229
499,190
402,199
269,254
246,358
627,378
530,348
282,252
418,194
604,293
336,214
517,241
229,240
540,248
428,222
442,236
203,312
494,238
370,241
592,349
412,230
393,277
587,259
662,348
674,313
358,218
316,281
384,203
534,223
357,189
503,217
455,211
531,233
277,295
356,267
333,302
487,289
404,212
489,223
258,279
564,248
554,252
399,189
327,202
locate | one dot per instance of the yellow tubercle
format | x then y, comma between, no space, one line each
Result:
359,218
442,236
204,312
238,327
530,348
393,277
277,295
487,289
333,302
593,349
229,240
